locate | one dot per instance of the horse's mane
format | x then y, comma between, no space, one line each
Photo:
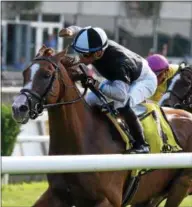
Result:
184,81
69,62
185,68
186,73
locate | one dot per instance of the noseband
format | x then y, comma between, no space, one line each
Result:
40,106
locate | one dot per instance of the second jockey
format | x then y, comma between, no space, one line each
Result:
164,72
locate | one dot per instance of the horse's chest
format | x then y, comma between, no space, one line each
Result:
75,187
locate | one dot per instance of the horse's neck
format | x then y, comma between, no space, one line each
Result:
65,129
68,124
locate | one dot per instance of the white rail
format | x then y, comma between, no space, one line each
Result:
17,89
32,138
93,163
10,89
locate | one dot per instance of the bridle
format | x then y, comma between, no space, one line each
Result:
40,106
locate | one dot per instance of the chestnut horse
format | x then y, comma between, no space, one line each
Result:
179,92
77,129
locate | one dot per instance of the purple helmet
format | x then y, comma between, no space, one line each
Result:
157,63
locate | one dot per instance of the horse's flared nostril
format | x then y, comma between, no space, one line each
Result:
166,105
23,108
177,106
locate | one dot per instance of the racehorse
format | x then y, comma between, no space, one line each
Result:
75,129
179,92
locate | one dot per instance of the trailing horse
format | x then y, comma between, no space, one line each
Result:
75,129
179,92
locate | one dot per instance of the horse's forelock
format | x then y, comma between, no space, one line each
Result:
186,74
48,52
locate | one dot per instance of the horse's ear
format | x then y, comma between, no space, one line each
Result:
41,51
61,54
49,52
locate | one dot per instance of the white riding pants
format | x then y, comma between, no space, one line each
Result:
119,92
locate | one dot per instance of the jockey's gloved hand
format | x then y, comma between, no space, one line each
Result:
96,84
65,32
90,81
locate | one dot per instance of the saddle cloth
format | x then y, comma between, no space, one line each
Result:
157,131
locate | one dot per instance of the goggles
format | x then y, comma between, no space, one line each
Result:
158,73
86,55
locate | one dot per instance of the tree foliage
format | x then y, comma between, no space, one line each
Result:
17,7
150,8
9,131
144,8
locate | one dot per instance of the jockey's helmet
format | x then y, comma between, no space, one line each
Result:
158,63
90,40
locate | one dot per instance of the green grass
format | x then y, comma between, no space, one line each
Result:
24,195
186,203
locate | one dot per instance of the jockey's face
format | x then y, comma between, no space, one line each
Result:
88,58
162,76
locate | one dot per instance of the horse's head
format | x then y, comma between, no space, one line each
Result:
179,92
44,82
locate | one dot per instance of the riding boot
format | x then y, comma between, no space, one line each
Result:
136,130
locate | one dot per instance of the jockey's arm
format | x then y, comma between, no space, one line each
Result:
116,90
74,29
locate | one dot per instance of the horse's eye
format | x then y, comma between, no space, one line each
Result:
47,75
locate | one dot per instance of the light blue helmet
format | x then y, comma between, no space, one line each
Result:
90,39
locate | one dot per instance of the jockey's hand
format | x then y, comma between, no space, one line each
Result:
65,32
93,82
96,85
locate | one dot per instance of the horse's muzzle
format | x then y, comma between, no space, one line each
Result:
20,109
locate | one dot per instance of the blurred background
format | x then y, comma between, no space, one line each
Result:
144,27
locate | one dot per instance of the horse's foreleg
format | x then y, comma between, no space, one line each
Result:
179,189
47,199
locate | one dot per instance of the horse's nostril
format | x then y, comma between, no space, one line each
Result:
167,105
23,108
178,106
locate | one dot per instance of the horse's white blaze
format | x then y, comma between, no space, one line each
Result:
173,81
33,70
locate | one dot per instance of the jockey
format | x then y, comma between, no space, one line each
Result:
128,78
164,72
